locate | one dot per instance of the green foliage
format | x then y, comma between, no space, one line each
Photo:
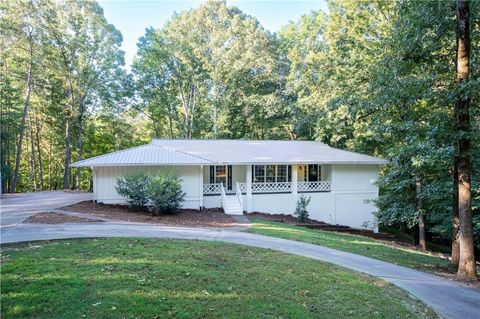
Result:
301,208
165,193
134,188
223,80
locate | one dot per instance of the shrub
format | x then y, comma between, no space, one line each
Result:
165,193
134,188
301,208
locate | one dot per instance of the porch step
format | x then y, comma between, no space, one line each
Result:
231,206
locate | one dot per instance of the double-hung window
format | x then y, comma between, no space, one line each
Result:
272,173
259,174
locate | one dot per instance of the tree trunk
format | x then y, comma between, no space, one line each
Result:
66,172
466,267
80,140
32,150
455,219
40,163
24,119
421,223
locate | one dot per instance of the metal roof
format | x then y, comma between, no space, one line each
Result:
208,152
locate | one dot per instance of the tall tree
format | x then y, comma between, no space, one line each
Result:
466,266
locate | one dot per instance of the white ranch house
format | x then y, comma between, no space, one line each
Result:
244,175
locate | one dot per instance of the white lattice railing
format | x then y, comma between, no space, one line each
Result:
212,188
224,196
321,186
242,187
271,187
239,195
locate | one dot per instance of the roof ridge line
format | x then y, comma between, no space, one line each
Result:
185,153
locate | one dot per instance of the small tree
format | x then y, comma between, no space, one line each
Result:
165,193
301,208
134,188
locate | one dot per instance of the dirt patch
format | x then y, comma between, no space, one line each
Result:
56,218
184,217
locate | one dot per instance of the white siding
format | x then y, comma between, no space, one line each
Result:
354,189
105,181
354,177
349,202
273,203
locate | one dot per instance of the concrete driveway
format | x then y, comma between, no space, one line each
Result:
449,299
15,208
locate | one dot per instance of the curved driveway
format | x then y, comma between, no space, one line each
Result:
15,208
449,299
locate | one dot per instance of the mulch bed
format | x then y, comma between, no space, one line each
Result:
184,217
56,218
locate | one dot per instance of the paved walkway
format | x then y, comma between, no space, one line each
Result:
449,299
15,208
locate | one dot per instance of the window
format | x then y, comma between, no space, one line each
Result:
221,174
272,173
282,173
259,174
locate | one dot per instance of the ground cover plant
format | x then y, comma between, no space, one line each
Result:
148,278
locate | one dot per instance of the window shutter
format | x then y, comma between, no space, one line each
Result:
229,177
212,174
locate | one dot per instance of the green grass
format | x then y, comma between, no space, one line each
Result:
148,278
352,243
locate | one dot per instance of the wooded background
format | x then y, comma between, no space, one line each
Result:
376,77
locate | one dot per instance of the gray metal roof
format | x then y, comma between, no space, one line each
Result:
207,152
146,155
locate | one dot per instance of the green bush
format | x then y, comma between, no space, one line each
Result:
301,208
134,188
165,193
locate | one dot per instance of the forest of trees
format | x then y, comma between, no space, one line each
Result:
376,77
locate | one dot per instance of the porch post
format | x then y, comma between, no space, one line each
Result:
249,189
94,184
200,201
294,185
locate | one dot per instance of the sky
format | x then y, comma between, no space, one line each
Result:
132,17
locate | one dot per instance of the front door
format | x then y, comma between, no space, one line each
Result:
313,173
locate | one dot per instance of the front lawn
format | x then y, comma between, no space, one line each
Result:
148,278
352,243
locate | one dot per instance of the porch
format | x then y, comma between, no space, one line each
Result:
261,179
235,185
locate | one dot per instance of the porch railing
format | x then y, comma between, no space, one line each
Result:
224,196
321,186
280,187
242,187
209,189
239,194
